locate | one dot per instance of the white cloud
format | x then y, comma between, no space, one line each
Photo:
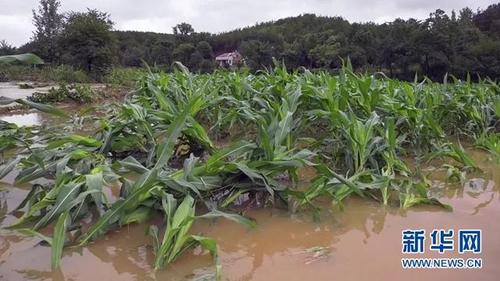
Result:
222,15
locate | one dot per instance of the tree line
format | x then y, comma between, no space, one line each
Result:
460,43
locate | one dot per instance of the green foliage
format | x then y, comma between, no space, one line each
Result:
66,74
489,142
80,93
13,136
6,49
183,29
178,221
42,107
455,152
59,238
183,52
48,24
61,73
464,44
355,130
128,77
87,41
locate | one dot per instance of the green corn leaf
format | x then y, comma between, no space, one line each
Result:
173,133
232,217
64,199
139,192
59,238
233,150
211,246
30,232
95,182
85,141
6,169
43,108
132,164
140,215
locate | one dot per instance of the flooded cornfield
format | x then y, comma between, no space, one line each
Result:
362,241
277,176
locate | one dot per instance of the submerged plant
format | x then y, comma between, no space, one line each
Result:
489,142
156,149
455,152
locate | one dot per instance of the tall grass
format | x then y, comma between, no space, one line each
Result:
62,73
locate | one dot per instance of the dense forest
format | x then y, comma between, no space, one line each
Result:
458,43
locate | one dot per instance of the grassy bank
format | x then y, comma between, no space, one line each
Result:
117,76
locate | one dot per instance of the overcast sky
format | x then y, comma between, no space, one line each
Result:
222,15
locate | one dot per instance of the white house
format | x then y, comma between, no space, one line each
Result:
229,59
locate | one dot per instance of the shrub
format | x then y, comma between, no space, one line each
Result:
25,86
61,73
65,73
3,76
81,93
75,92
58,94
120,76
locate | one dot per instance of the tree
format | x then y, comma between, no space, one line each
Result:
6,49
258,54
48,24
195,60
183,29
489,20
161,52
206,66
88,42
183,53
202,59
461,43
325,54
205,50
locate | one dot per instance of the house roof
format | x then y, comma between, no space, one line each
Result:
227,56
224,56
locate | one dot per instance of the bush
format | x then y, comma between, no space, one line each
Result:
75,92
61,73
67,74
16,73
58,94
25,86
3,76
120,76
81,93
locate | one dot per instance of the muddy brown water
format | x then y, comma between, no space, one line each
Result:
363,241
360,242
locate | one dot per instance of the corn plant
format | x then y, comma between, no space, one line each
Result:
489,142
357,130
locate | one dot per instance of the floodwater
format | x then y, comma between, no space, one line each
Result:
34,117
360,242
24,119
11,90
